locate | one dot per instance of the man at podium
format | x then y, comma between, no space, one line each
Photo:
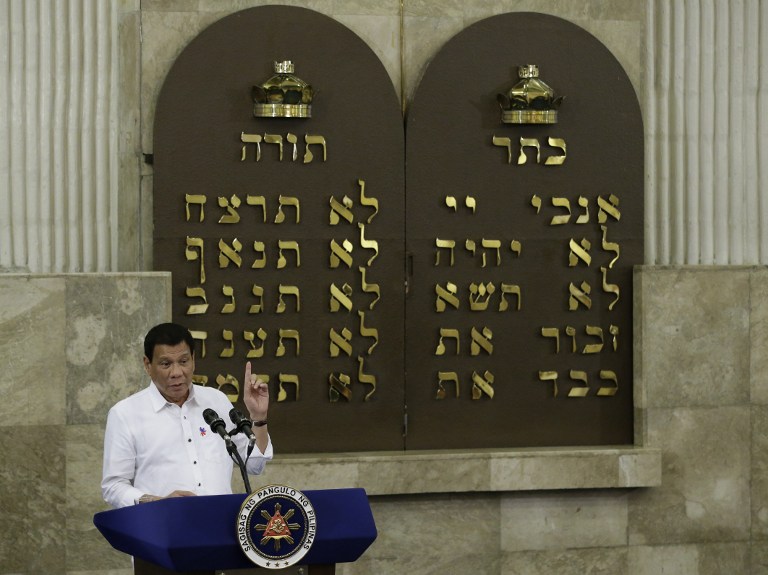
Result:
169,439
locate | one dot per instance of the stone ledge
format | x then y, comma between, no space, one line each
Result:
457,471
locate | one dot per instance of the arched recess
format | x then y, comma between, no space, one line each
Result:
267,239
492,225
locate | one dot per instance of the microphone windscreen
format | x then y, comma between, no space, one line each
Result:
212,418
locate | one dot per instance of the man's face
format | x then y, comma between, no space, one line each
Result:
171,369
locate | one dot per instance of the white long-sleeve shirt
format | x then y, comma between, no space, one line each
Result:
156,447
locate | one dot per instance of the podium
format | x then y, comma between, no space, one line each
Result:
197,535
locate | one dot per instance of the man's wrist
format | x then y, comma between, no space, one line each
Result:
259,422
146,498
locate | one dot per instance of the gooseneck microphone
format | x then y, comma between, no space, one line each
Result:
217,424
242,423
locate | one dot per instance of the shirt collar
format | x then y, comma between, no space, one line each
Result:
159,402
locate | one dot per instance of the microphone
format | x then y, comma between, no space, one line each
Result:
242,423
216,424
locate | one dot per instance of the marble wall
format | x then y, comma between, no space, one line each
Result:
690,498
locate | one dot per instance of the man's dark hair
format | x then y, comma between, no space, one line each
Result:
167,334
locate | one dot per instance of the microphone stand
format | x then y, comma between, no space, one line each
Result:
235,455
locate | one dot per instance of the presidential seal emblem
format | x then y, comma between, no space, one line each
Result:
276,526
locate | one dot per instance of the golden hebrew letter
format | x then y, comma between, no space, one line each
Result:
368,332
287,201
470,245
341,297
339,386
229,380
257,291
369,288
536,202
227,335
229,254
445,295
250,337
511,289
614,330
532,143
610,288
287,334
287,245
366,378
481,341
556,160
368,244
201,336
231,205
610,246
584,203
192,255
597,331
504,142
341,253
446,244
582,390
229,292
450,201
261,260
284,378
480,295
549,376
471,203
482,384
447,332
200,379
571,331
287,290
342,209
292,139
250,139
492,245
516,247
309,140
610,376
608,208
579,296
552,332
275,139
562,219
258,201
198,200
443,376
340,342
197,308
579,252
368,202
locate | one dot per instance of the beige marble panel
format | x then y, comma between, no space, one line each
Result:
695,336
758,333
32,499
759,558
598,561
759,472
433,535
32,336
107,318
703,559
704,496
572,520
86,547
